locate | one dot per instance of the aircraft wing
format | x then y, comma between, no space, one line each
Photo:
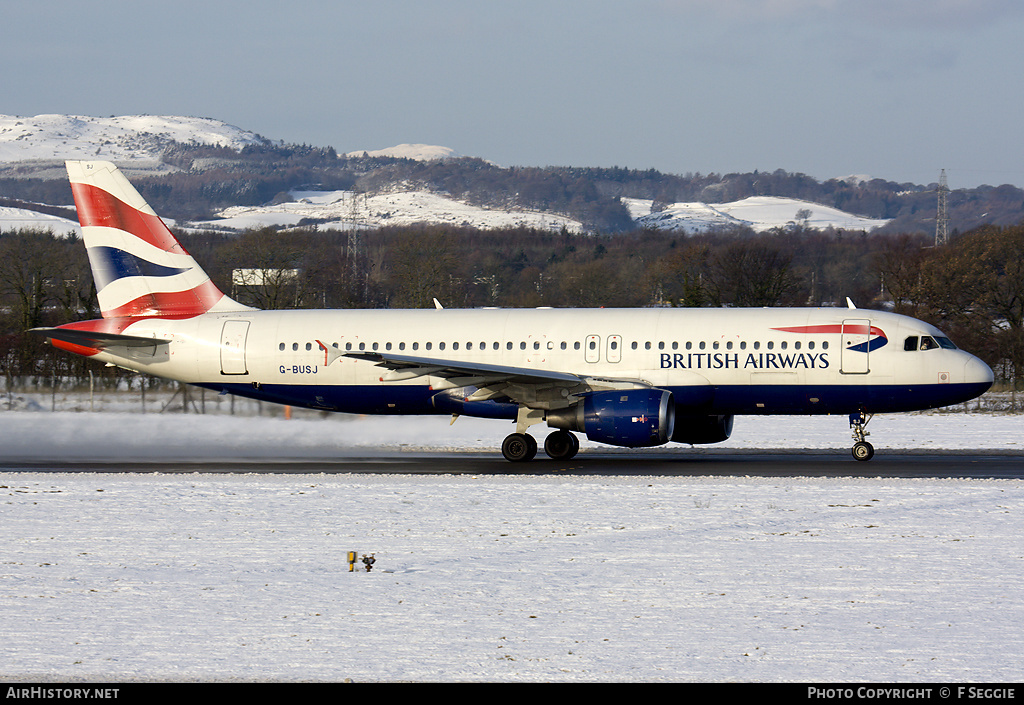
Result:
531,387
403,367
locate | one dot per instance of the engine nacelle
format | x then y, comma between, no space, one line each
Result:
702,429
631,418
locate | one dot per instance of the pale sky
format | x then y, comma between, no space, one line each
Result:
895,89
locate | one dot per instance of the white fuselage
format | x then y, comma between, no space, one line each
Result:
714,361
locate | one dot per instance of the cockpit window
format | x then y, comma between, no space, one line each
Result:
928,342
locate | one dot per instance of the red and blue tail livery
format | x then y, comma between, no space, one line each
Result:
139,267
622,377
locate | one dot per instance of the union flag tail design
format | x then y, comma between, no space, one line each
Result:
140,269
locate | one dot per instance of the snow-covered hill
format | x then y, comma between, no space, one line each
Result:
420,152
134,141
759,213
37,146
345,210
23,219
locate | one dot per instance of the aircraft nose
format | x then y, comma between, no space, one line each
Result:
977,372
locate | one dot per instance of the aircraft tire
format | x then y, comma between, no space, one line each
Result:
519,447
561,445
863,450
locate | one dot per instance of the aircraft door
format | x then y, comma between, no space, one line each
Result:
592,348
856,338
232,347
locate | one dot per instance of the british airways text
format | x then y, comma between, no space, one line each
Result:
732,361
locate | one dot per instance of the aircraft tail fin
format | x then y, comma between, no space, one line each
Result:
139,267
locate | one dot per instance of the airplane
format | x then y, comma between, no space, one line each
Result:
630,378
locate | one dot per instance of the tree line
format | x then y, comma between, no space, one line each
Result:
972,288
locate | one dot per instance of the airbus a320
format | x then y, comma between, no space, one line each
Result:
622,377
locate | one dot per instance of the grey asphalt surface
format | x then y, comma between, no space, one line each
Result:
896,464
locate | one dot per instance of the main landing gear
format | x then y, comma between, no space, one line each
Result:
862,450
522,447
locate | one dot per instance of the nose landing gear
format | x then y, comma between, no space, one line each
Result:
862,450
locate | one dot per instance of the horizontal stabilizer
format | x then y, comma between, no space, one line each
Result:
97,340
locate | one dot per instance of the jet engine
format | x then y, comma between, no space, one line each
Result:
702,429
631,418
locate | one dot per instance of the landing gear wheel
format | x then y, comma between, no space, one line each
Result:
561,445
862,450
519,447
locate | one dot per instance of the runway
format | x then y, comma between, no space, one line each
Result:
986,464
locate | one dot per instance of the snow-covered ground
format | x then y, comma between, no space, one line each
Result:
34,424
499,578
